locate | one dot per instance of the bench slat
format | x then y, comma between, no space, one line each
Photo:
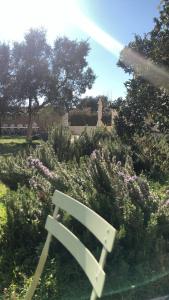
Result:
103,231
84,257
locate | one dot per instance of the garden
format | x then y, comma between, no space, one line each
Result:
121,173
126,183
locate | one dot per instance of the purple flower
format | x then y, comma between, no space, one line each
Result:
36,163
167,202
130,178
93,155
127,178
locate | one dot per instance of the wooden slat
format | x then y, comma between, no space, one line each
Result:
103,231
41,262
84,257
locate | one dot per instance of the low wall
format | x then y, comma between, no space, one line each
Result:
77,130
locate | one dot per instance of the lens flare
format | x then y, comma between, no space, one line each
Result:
156,75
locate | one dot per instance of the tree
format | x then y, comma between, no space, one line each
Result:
31,70
147,59
92,103
70,74
5,81
46,75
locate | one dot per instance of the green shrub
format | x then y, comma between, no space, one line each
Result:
26,214
60,139
151,155
49,285
98,171
3,220
3,189
117,194
13,170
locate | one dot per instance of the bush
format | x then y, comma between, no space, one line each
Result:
26,214
48,288
60,139
13,170
3,220
151,155
97,170
116,193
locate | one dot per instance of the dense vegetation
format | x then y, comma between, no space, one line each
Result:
117,181
146,106
123,175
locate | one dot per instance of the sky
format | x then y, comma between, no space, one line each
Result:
108,25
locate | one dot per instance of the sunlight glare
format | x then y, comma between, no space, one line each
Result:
95,32
156,75
19,16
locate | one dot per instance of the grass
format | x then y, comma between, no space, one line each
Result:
11,146
3,189
3,214
15,140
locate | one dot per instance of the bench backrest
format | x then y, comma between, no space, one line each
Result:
102,230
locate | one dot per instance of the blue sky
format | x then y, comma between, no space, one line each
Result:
120,19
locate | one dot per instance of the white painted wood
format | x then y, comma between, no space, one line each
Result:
41,263
101,263
87,261
103,231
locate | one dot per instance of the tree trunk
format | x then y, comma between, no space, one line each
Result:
30,121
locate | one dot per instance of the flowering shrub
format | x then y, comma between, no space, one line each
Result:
97,170
13,170
36,163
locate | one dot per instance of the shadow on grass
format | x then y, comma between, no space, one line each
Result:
11,146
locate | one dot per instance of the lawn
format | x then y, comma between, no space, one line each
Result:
3,216
3,190
11,146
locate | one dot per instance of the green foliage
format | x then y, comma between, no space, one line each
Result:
151,155
60,139
26,214
49,286
58,74
3,220
147,102
81,118
12,146
91,103
13,171
97,170
3,189
6,96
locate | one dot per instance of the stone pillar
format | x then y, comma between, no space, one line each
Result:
100,112
113,115
65,120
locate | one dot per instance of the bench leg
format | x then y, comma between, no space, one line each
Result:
39,268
